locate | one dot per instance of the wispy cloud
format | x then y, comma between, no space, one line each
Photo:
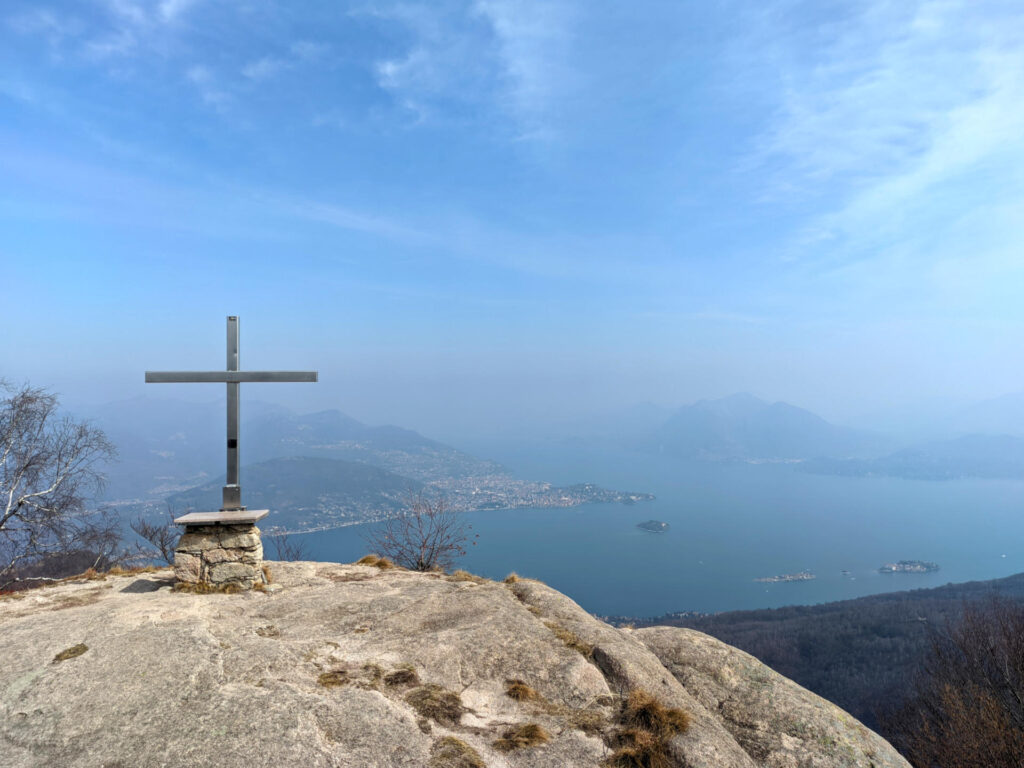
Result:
264,68
206,83
534,42
900,130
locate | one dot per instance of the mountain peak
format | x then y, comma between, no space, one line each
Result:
742,426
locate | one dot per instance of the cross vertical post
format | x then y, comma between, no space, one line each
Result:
232,497
233,376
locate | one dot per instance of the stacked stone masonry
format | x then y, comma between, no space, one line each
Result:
220,555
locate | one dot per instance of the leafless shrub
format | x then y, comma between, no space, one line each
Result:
967,706
427,535
162,536
287,548
49,471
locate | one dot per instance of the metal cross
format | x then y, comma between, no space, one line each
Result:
232,499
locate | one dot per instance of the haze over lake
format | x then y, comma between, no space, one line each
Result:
730,524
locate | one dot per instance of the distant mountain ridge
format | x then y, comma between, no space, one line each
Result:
310,493
333,434
167,446
745,427
985,456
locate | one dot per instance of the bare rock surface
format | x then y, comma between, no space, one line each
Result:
358,666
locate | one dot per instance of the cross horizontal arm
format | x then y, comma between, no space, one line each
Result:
213,377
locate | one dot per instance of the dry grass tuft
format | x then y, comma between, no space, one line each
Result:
512,578
203,588
333,679
466,576
451,752
644,711
437,703
647,727
591,721
404,675
522,737
520,691
376,561
70,653
571,639
639,749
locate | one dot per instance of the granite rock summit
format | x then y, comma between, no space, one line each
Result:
362,666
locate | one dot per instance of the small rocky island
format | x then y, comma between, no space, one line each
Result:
909,566
801,576
654,526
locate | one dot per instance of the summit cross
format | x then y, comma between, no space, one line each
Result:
232,497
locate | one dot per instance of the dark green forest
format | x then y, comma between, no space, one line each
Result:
860,654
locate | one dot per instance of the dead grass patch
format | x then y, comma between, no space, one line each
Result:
521,737
376,561
512,578
76,601
647,726
466,576
451,752
203,588
571,639
118,570
437,703
404,675
373,673
70,653
333,679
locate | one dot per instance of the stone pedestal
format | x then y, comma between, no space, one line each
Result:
220,550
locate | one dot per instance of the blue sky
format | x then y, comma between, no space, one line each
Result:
472,215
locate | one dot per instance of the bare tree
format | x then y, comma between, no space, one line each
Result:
287,548
427,535
162,536
967,707
49,471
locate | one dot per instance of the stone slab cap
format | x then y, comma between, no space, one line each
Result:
223,517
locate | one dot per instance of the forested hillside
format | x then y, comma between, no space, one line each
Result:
858,653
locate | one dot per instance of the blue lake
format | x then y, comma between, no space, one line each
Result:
730,524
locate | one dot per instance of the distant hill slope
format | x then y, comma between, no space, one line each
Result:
992,456
332,434
314,491
859,654
745,427
167,446
1002,415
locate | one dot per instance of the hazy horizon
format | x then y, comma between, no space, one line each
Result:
475,218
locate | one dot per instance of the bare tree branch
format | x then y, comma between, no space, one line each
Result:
287,548
427,535
49,471
162,536
967,705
